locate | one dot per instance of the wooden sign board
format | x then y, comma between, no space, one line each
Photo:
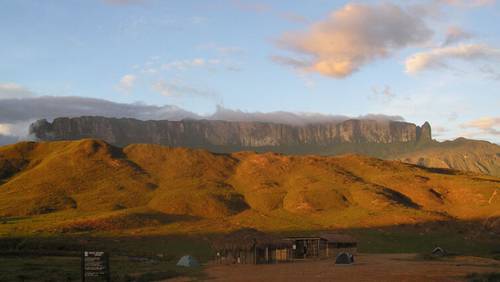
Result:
95,266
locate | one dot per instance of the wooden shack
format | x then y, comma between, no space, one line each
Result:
249,246
327,245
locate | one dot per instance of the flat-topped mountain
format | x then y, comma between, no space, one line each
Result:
377,138
228,136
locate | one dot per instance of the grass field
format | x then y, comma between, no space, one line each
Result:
52,268
149,205
131,259
153,257
415,241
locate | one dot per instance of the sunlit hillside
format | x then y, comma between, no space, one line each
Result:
88,185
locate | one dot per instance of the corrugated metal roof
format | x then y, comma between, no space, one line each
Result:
338,238
247,238
330,237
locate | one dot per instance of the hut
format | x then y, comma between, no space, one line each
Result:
249,246
327,245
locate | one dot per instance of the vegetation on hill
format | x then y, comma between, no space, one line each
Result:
148,205
91,186
461,154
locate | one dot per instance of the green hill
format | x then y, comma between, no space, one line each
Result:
89,185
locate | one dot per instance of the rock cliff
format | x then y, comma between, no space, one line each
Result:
460,154
230,136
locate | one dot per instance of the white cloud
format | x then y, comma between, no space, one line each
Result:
484,122
5,129
178,89
455,34
441,57
487,125
18,111
14,132
490,72
155,67
469,3
18,114
355,35
196,20
149,70
438,130
300,64
385,94
13,91
127,83
293,118
453,116
221,49
191,63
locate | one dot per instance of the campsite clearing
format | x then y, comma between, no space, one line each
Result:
368,267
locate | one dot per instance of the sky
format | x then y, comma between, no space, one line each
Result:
432,60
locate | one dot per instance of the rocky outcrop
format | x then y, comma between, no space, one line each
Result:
424,134
229,135
460,154
384,139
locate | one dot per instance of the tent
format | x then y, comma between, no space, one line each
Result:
188,261
344,258
439,252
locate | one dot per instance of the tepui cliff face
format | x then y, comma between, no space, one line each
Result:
226,135
384,139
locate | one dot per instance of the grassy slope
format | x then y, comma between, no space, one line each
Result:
462,154
83,175
144,199
88,185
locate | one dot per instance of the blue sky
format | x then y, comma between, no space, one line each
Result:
330,57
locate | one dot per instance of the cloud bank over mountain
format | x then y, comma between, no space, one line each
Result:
11,90
299,118
18,110
17,114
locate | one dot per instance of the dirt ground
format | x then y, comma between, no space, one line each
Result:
368,267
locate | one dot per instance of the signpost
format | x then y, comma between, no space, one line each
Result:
95,265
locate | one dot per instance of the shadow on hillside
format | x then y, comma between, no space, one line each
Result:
10,220
446,171
475,237
486,179
123,221
397,197
158,254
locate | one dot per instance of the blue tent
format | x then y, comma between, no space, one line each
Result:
188,261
